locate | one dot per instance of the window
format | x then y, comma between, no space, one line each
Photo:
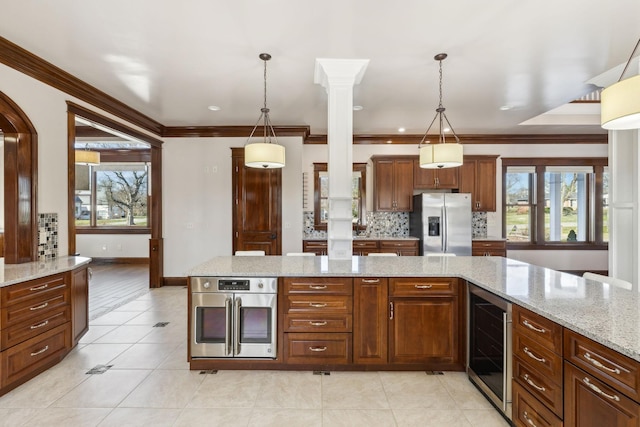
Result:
113,194
321,195
551,202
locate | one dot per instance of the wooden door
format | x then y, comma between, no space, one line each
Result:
468,180
486,184
423,179
383,175
370,320
257,207
448,178
403,184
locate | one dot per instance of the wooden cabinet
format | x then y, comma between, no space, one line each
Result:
393,183
528,411
489,248
537,367
431,179
318,247
318,320
371,318
478,177
79,303
363,247
424,321
400,247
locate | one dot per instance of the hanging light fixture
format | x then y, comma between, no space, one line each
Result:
441,154
87,157
266,154
620,102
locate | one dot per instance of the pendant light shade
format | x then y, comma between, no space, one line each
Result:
267,154
87,157
442,154
620,102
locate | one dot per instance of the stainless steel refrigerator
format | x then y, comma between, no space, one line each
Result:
442,222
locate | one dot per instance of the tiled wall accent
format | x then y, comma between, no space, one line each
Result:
479,224
47,236
379,224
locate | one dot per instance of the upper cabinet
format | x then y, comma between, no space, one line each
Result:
431,179
393,178
478,177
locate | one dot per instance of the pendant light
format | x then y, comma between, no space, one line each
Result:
620,102
442,154
87,157
265,154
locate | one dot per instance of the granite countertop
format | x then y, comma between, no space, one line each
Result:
608,315
11,274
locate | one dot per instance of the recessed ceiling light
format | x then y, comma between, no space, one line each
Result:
446,130
389,141
401,129
505,107
214,108
358,108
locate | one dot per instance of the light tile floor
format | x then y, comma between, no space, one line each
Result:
150,384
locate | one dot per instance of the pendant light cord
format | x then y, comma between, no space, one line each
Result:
629,61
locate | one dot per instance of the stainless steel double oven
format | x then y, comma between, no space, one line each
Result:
233,317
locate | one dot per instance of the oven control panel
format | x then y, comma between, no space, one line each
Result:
250,285
234,285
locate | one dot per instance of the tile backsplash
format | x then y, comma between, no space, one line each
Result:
391,224
47,236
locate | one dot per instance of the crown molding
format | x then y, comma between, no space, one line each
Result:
231,131
475,139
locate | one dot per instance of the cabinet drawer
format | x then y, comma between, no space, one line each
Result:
34,355
303,285
527,411
319,323
365,244
36,306
30,328
317,348
21,292
498,245
318,304
488,252
543,331
545,362
544,390
616,370
398,244
415,287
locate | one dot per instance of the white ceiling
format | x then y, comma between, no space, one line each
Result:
171,59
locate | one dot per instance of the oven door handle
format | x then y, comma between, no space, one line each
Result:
227,336
506,359
236,324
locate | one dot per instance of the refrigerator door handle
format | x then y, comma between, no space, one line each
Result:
444,229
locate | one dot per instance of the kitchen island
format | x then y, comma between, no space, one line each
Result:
576,343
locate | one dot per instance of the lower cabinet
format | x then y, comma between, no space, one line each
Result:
489,248
363,247
371,320
80,303
528,411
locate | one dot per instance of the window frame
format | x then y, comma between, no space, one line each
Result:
537,196
362,201
117,156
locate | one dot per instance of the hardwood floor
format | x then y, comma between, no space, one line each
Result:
113,285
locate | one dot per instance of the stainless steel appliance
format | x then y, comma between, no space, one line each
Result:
442,222
489,347
233,317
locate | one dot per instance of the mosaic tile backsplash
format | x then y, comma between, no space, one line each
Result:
47,236
391,224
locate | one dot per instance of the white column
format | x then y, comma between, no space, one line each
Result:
624,194
338,76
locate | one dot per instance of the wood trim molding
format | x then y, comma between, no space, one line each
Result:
475,139
27,63
230,131
174,281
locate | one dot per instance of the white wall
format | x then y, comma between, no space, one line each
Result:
113,245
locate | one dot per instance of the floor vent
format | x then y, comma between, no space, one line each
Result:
321,373
99,369
434,373
160,324
209,371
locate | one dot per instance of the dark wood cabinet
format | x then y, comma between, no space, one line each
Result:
79,303
478,177
371,318
489,248
318,247
400,247
393,183
432,179
424,321
363,247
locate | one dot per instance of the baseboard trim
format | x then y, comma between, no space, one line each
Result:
174,281
122,260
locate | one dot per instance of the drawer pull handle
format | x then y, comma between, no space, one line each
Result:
317,286
370,280
317,304
532,384
40,325
594,362
533,328
39,307
533,356
318,348
39,288
318,323
529,421
35,353
423,286
597,390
